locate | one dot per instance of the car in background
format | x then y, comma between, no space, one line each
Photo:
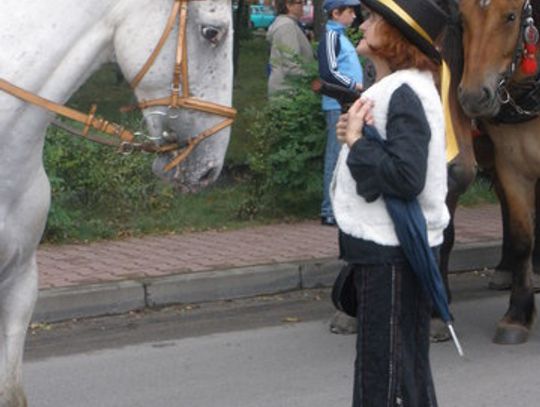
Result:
261,16
307,18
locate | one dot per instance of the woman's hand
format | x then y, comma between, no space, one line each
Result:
349,127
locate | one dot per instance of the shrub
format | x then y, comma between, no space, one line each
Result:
86,175
286,160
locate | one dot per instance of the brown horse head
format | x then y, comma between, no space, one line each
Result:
491,39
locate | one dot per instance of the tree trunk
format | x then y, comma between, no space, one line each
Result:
241,29
319,19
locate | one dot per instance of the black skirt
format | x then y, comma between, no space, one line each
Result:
392,365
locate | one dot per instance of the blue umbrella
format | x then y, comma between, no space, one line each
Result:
411,230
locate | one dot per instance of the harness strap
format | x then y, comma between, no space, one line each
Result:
519,102
526,12
189,103
521,105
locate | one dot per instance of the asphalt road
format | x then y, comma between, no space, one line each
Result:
264,352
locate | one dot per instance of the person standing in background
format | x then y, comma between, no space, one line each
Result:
288,44
338,64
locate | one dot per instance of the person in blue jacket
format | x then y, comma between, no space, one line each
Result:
338,64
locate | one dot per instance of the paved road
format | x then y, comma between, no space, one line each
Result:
246,354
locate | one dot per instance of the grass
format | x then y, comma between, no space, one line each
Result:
249,92
213,209
479,193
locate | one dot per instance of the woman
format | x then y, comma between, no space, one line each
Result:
288,45
392,365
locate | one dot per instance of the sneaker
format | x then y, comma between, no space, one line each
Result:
328,220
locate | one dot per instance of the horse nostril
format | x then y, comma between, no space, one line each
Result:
208,176
486,94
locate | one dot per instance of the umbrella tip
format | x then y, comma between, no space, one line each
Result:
455,339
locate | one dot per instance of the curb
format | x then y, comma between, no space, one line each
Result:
57,304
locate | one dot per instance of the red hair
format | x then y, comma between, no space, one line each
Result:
400,52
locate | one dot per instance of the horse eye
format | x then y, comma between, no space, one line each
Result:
511,17
211,33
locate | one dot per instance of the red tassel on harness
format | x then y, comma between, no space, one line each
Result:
529,65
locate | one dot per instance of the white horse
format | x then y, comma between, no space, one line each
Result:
50,48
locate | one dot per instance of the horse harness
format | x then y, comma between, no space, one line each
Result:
179,98
520,102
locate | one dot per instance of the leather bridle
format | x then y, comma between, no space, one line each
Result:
519,103
179,98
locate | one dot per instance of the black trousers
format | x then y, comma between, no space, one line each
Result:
392,363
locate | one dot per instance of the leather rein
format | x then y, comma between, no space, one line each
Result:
179,97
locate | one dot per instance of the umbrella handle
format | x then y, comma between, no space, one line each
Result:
455,339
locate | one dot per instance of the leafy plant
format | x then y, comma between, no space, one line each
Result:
87,175
354,34
286,159
479,193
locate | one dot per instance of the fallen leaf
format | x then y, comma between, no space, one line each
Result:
291,320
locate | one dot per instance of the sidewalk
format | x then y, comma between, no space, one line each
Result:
118,276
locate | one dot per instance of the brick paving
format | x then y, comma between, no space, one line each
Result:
154,256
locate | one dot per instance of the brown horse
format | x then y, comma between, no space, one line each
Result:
500,90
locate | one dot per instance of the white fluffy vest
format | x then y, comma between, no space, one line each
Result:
371,221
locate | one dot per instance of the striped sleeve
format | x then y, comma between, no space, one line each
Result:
328,52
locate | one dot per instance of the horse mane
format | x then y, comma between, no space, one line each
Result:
451,43
536,12
451,48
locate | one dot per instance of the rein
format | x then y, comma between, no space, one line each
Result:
520,102
178,98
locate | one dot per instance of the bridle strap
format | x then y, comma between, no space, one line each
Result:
181,67
191,103
180,71
193,142
526,12
521,106
166,32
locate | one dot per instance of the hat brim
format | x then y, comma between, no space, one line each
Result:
404,28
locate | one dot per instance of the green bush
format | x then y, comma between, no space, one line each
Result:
86,175
286,159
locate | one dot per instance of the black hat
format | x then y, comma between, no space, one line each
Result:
420,21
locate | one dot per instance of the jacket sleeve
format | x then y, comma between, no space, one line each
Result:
397,166
327,54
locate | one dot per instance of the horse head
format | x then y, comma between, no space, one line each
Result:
207,49
493,32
